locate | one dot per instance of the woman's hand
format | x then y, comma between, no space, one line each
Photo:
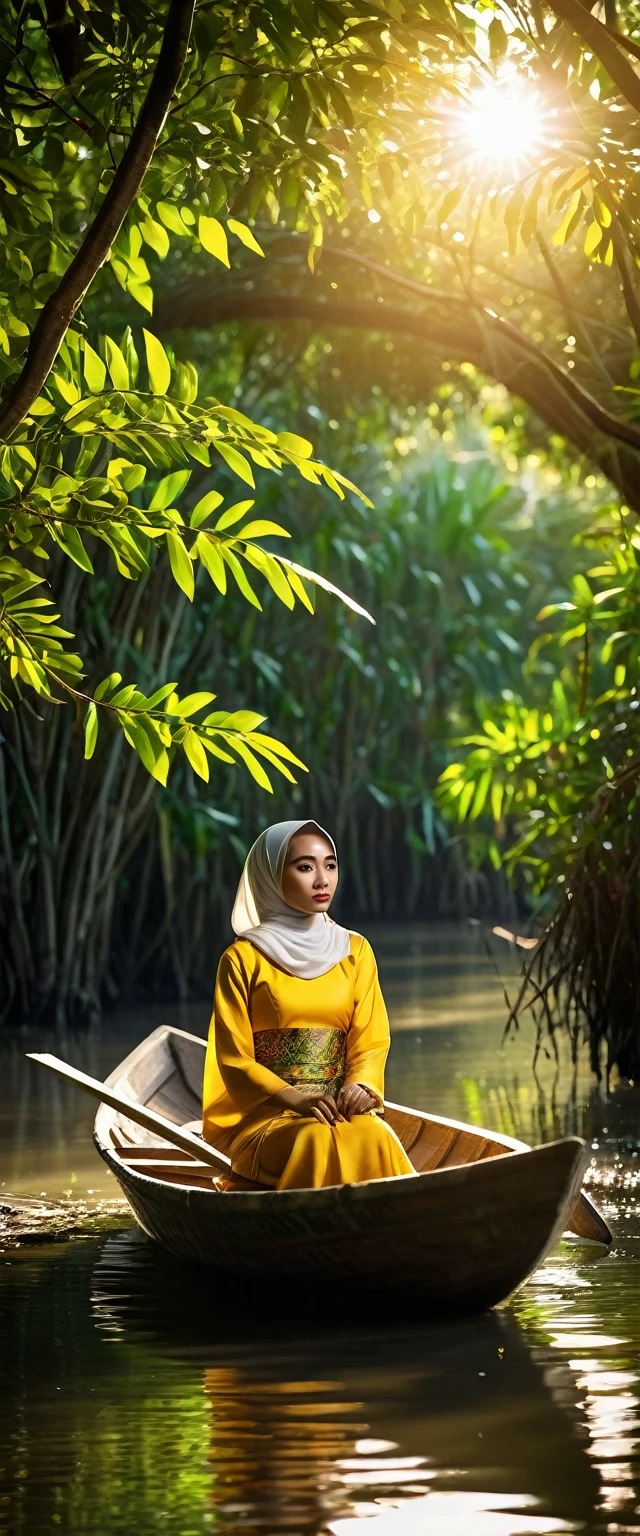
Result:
355,1100
321,1106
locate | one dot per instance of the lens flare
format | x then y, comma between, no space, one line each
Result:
502,123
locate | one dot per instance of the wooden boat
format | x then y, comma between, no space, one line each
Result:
481,1213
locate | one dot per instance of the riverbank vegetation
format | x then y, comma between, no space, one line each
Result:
264,279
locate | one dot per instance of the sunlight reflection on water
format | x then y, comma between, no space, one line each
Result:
457,1514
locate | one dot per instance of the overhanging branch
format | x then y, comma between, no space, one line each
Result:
604,43
62,304
632,305
446,322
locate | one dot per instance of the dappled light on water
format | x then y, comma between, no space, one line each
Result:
457,1514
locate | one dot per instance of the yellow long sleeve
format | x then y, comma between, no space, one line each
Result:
368,1037
234,1082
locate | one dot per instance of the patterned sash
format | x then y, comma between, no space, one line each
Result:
311,1060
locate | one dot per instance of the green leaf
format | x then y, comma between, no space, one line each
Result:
258,746
465,799
242,581
69,540
342,480
171,218
233,514
142,294
124,697
160,695
498,41
149,750
204,507
70,392
161,769
298,587
116,364
240,720
244,234
186,383
169,489
155,236
181,564
191,704
197,451
236,462
212,236
274,573
260,530
481,793
107,684
158,364
255,768
212,561
94,370
217,751
90,730
582,591
196,754
217,192
41,407
330,480
86,455
133,477
294,444
277,96
129,353
592,239
279,749
568,223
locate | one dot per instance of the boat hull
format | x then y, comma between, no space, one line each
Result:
454,1238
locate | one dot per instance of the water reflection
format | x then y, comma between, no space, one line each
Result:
334,1413
593,1323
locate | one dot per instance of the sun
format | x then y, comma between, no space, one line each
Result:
502,123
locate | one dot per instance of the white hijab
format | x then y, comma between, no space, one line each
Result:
306,945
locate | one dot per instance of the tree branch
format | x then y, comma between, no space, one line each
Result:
632,305
62,304
447,322
67,39
601,418
604,43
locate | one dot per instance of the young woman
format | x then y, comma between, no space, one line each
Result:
294,1072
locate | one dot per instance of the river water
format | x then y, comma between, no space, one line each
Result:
141,1395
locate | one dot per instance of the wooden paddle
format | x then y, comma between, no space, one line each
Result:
138,1112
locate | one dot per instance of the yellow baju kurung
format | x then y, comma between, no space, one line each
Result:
320,1033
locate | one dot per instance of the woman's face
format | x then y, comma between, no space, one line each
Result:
310,875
